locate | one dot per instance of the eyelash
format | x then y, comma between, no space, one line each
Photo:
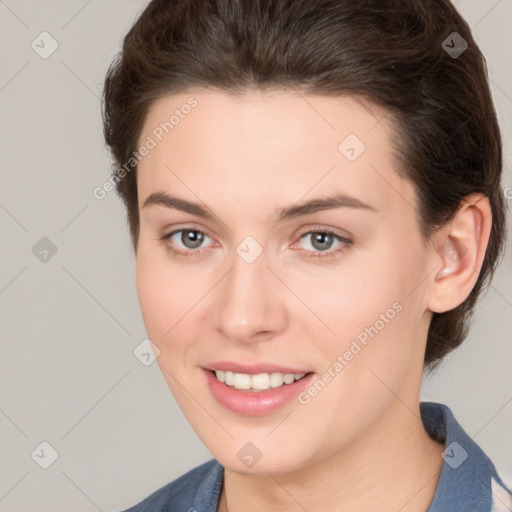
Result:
195,253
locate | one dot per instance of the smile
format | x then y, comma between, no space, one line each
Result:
255,394
258,382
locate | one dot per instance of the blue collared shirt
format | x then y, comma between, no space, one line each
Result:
468,482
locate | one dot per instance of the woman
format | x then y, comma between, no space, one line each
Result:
313,194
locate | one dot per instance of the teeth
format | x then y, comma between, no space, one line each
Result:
259,382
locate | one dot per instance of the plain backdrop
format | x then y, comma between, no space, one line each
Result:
70,320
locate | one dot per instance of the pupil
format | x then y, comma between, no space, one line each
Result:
320,237
192,236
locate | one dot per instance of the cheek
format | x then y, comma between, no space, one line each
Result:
150,294
160,293
344,300
365,310
170,298
167,296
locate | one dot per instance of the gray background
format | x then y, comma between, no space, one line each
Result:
68,328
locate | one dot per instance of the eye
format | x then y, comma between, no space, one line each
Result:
322,240
190,238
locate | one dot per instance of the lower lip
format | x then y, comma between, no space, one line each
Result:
255,403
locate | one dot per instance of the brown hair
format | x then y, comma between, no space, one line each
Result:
393,54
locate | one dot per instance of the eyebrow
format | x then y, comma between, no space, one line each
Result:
297,210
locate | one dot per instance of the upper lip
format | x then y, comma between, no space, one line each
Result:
252,369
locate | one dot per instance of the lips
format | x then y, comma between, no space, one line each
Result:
261,403
253,369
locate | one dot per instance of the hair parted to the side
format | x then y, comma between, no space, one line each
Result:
446,136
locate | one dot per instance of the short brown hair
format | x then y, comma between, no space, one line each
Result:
393,54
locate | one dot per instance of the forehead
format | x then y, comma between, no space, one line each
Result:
277,145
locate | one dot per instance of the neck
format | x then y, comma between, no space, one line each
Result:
395,466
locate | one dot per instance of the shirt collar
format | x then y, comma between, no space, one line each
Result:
465,480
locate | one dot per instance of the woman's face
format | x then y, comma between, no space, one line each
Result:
255,291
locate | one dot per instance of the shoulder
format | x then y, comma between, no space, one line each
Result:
198,489
468,480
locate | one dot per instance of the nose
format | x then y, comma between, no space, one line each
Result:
250,305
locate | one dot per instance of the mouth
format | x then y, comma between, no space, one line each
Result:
256,382
258,393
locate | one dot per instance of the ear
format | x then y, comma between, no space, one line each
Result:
459,253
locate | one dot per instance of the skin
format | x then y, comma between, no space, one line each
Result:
359,444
